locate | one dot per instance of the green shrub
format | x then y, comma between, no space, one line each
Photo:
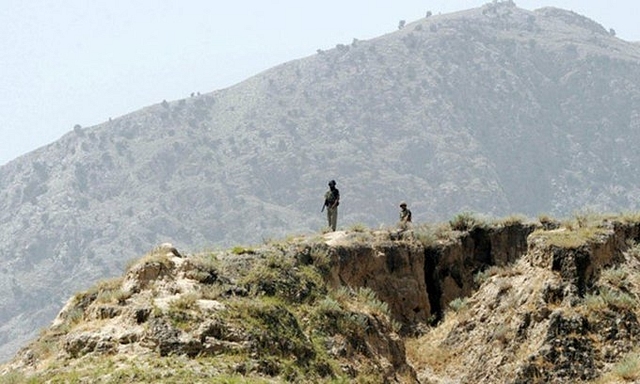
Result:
571,238
609,299
482,276
425,234
113,296
629,368
458,304
328,305
185,302
13,378
617,277
321,259
465,221
279,276
619,300
238,250
368,297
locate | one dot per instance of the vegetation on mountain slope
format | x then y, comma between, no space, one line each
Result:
493,110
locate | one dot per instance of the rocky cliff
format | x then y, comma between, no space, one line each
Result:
463,302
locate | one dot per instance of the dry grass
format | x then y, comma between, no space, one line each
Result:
510,220
155,256
627,370
570,237
466,221
422,355
428,353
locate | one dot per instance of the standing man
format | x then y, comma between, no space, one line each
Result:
405,216
331,201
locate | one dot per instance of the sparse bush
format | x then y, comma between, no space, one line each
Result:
630,217
511,220
358,237
280,276
594,303
548,223
368,297
13,378
425,234
46,345
358,227
572,237
458,304
504,286
185,302
238,250
485,274
617,277
181,311
207,261
118,296
629,368
205,269
275,330
609,299
342,294
212,292
321,259
634,250
75,316
198,275
618,300
500,334
158,255
465,221
329,304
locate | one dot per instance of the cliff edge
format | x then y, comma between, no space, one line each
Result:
460,302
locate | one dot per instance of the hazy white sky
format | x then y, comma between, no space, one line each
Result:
67,62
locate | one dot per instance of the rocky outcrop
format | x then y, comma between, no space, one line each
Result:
250,303
501,303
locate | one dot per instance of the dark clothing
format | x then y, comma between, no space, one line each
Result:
331,201
332,198
405,215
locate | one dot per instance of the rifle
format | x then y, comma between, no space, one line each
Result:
323,205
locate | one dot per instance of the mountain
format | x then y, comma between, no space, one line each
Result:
496,110
467,301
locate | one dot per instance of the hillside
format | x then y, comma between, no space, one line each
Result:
464,302
494,110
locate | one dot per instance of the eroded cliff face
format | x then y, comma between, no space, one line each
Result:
395,271
452,265
418,281
564,310
535,302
